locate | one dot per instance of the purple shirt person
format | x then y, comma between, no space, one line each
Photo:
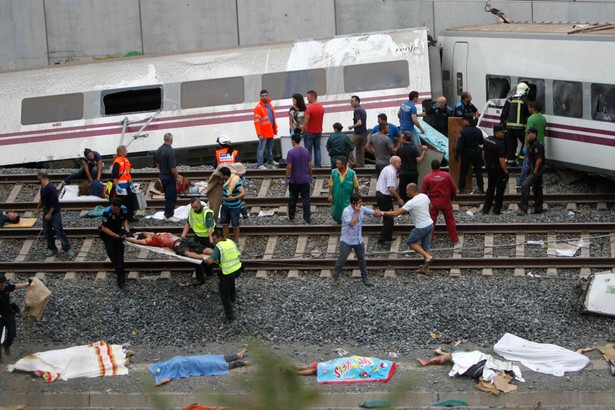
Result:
298,178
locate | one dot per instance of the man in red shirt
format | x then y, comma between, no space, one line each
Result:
312,126
441,189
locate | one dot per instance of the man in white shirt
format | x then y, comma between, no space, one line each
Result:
420,237
386,193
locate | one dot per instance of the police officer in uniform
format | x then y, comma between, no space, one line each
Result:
468,149
226,255
201,220
494,155
536,153
113,229
7,312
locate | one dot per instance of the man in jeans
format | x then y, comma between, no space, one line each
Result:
359,138
165,161
298,178
266,129
52,217
312,126
352,238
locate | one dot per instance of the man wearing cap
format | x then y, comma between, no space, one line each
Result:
494,155
536,154
469,151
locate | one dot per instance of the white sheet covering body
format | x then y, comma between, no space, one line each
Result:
462,361
93,360
540,357
70,193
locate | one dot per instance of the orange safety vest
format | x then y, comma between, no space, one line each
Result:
262,124
124,169
223,155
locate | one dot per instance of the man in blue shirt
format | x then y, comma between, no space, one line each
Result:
408,118
393,130
352,237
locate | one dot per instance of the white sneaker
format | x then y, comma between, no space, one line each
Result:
262,167
274,163
172,219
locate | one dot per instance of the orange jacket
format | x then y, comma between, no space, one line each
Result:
222,155
262,124
124,170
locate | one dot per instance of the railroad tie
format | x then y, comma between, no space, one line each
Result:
390,273
612,240
458,248
331,252
25,248
101,275
571,206
271,242
134,275
552,245
165,274
301,244
318,189
513,207
372,187
602,206
510,188
14,193
488,253
40,276
519,252
262,193
70,275
10,276
85,248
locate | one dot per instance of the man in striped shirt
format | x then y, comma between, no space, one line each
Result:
232,193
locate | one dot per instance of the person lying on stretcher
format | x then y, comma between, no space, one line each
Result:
181,246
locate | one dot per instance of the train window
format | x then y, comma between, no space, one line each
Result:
497,87
207,93
54,108
376,76
116,102
603,102
568,99
537,91
285,84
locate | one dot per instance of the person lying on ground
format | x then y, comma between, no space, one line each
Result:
185,187
9,217
95,188
204,365
181,246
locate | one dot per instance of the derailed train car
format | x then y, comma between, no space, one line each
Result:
569,69
54,113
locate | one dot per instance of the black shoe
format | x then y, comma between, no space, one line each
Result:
121,285
368,283
307,221
485,211
538,211
229,318
481,191
497,212
521,212
7,350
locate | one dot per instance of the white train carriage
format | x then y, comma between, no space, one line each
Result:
569,68
54,113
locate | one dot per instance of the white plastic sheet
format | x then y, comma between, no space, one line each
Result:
540,357
462,361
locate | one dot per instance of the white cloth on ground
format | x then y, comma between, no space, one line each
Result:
462,361
180,213
70,193
93,360
540,357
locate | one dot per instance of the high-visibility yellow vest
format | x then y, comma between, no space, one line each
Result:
229,256
198,222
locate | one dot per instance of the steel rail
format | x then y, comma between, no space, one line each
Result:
463,199
401,263
369,229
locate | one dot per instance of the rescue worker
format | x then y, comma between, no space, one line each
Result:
465,106
227,256
122,180
227,154
514,117
494,155
536,153
441,190
440,113
201,221
469,151
266,129
112,230
7,312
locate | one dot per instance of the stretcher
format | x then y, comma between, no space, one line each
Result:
23,223
164,251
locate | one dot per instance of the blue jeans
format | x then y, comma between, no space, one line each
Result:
313,140
422,235
525,169
294,191
55,225
169,183
80,173
359,251
264,145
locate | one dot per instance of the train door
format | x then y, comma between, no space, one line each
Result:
460,63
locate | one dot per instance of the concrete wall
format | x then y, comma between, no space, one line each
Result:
35,33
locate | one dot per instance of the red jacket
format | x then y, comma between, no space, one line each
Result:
439,186
262,124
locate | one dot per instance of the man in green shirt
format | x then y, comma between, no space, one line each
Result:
539,122
342,184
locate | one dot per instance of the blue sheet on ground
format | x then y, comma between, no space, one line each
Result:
435,139
179,367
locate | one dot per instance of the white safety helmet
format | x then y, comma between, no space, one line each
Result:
522,88
224,140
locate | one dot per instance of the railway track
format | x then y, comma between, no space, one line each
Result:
394,259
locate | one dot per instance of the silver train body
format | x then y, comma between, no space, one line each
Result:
53,113
570,69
